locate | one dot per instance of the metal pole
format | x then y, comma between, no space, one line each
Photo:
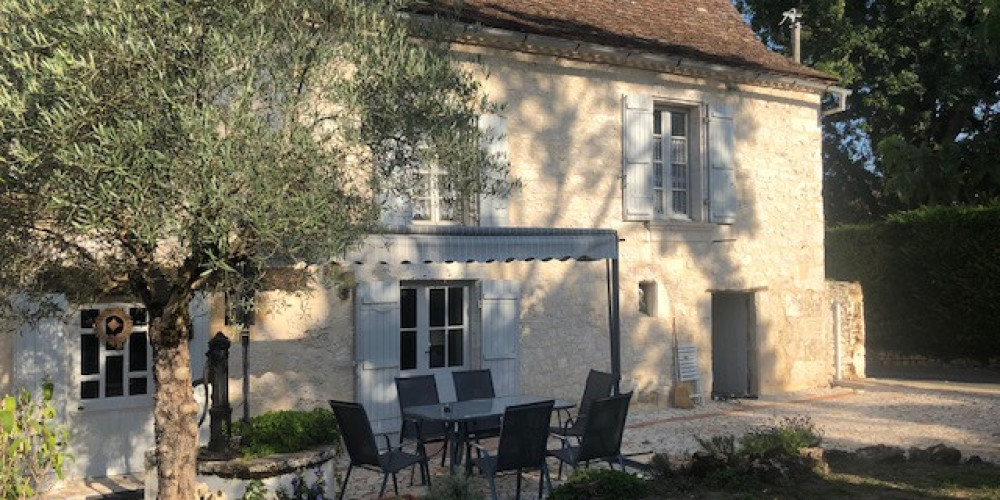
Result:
245,342
838,373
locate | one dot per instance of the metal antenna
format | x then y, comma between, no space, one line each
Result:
792,16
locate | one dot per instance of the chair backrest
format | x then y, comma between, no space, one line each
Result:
473,384
356,431
523,435
602,432
417,391
599,385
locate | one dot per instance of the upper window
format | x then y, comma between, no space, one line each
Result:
678,161
434,200
671,153
115,357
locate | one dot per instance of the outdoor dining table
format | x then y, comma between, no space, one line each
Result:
456,416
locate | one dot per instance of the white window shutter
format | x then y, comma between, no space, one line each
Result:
377,325
501,333
376,350
494,209
723,202
638,176
41,347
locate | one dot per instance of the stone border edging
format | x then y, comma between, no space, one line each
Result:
262,467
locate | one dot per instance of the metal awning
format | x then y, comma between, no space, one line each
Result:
446,244
434,244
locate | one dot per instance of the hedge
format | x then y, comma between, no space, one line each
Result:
931,279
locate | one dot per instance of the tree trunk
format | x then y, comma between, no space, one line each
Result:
175,410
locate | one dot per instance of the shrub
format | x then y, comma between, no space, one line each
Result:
785,437
287,431
931,279
600,484
455,487
31,444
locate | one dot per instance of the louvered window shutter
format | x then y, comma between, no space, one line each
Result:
494,209
723,202
376,350
638,176
41,345
501,332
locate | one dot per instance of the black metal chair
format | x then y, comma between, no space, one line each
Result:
417,391
477,384
599,385
523,437
602,434
356,432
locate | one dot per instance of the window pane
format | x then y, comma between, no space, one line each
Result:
408,350
678,150
657,149
456,306
408,308
138,315
137,352
678,177
421,209
90,355
87,317
114,376
678,124
90,389
437,307
658,172
136,386
657,122
680,202
455,350
436,349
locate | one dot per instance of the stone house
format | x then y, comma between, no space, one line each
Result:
672,194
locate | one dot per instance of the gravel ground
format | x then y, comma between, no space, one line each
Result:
897,412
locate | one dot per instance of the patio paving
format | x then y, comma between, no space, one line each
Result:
875,411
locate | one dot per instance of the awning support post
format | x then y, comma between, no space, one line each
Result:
614,318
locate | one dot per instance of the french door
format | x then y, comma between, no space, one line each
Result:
434,328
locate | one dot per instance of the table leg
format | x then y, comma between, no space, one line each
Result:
457,443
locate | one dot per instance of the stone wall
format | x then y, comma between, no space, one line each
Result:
564,134
564,123
847,314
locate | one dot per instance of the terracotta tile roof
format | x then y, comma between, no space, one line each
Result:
706,30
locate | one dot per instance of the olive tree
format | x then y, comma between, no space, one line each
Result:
154,147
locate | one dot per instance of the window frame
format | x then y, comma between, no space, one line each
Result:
104,402
422,327
695,122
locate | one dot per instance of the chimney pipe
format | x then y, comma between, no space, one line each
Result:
793,16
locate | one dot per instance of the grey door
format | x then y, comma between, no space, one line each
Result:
734,357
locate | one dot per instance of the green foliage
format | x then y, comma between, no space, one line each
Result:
455,487
786,437
600,484
301,489
154,147
931,279
723,446
287,431
32,445
255,490
921,126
